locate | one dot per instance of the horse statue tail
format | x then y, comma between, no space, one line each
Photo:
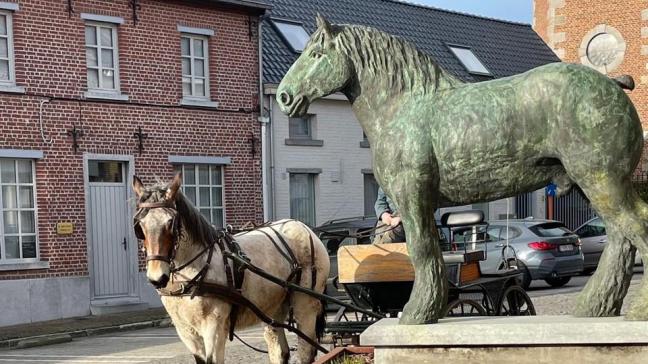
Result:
626,82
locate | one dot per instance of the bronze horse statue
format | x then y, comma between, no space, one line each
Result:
438,142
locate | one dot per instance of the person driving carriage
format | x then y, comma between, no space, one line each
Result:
389,227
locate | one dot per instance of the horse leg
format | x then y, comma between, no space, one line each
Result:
192,341
639,306
278,349
604,292
305,311
417,199
214,333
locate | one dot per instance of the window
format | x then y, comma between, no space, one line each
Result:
293,34
18,228
300,128
105,171
101,57
370,194
550,230
302,197
203,186
594,228
195,70
469,60
7,74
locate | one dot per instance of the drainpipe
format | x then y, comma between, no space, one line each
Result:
264,128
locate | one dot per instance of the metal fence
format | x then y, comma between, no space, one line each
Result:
524,205
573,209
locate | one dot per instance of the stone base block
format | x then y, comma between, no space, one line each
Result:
519,340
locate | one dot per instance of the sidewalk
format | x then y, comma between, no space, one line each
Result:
57,331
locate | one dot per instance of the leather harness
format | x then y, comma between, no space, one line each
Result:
235,273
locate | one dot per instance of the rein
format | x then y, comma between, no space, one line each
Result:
231,292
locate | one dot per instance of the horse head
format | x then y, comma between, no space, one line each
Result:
320,71
156,224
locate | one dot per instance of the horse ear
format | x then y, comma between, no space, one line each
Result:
174,186
324,25
138,186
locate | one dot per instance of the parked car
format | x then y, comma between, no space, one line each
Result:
545,249
594,239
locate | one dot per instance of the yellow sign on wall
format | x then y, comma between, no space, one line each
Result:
64,228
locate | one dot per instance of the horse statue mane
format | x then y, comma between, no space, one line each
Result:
399,62
194,227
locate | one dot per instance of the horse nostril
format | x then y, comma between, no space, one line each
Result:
285,98
160,283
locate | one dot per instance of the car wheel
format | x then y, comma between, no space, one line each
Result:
526,277
557,282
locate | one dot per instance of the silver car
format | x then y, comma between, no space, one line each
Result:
545,249
594,239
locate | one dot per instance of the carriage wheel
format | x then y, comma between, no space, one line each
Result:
464,307
515,302
347,326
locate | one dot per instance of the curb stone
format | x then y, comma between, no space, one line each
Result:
62,337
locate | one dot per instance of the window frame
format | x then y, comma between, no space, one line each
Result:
115,48
452,47
308,118
180,167
18,209
192,58
11,58
312,181
276,21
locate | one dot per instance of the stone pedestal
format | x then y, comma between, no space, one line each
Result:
518,340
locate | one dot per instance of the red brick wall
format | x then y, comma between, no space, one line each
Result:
50,62
578,18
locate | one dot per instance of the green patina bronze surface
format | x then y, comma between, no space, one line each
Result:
438,142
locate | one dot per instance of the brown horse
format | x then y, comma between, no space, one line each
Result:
174,232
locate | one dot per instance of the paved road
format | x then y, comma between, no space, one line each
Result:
162,346
540,288
155,345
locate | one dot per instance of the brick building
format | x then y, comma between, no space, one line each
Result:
80,83
610,36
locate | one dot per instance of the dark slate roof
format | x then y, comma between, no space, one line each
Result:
505,48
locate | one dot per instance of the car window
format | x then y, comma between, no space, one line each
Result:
498,232
550,229
593,228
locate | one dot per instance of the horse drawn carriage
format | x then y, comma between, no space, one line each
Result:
379,279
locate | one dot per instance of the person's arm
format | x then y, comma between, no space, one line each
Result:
383,212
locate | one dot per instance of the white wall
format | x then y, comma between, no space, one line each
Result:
341,154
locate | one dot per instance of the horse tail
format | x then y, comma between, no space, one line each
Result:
626,82
320,322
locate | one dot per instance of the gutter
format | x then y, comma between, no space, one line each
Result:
264,120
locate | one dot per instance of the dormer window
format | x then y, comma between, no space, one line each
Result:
293,34
469,60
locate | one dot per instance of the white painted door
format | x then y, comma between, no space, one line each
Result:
109,228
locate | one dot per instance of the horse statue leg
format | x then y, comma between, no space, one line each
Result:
625,217
416,194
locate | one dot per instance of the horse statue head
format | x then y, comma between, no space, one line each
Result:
360,62
322,68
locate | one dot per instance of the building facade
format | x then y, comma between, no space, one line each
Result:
319,167
610,36
93,92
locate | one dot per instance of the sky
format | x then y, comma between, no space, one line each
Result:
515,10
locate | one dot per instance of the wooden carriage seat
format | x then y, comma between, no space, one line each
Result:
391,263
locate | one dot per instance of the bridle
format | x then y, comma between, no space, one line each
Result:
170,207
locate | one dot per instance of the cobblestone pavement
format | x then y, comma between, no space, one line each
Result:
162,346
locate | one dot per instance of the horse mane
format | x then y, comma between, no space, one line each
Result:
402,66
194,228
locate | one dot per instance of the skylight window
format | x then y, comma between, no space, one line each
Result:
293,34
469,60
